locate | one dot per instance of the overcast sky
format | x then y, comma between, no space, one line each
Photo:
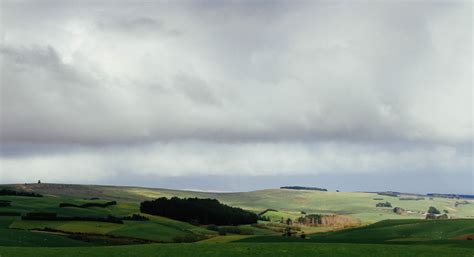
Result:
238,95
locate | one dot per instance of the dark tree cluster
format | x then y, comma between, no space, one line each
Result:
392,194
229,229
381,204
136,217
18,193
5,203
411,198
453,196
54,216
88,205
433,210
200,211
457,203
9,213
304,188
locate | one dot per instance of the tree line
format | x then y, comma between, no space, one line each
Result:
50,216
87,205
18,193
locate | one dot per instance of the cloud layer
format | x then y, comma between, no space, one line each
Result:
225,88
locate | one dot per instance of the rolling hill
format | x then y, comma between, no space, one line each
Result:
288,203
383,232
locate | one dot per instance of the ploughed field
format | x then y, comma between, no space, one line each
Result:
90,233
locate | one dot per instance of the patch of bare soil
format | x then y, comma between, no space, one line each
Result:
465,237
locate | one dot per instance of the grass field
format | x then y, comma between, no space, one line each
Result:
288,203
390,231
383,232
15,237
243,249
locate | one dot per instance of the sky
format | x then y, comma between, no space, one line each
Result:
238,95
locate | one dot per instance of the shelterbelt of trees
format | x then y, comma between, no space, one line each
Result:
200,211
19,193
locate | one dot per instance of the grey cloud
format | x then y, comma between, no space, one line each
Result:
379,80
196,89
142,27
137,23
190,158
121,74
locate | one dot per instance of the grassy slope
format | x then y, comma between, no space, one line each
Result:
150,230
157,229
391,231
289,203
237,250
401,230
14,237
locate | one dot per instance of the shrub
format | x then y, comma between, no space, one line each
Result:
381,204
136,217
213,227
433,210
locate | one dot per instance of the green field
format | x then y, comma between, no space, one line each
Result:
247,249
391,231
382,232
288,203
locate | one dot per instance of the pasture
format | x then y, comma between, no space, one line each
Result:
383,232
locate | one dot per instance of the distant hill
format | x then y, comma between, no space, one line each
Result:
304,188
290,203
451,195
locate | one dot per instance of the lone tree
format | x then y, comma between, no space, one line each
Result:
433,210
